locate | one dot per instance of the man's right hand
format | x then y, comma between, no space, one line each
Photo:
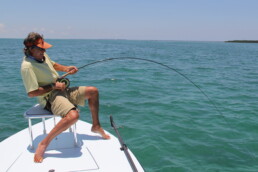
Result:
59,86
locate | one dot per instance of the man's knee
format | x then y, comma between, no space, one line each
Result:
73,115
91,91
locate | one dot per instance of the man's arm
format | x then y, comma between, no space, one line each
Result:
62,68
41,90
45,89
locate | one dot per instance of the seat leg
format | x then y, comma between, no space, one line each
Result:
75,135
44,126
54,121
30,133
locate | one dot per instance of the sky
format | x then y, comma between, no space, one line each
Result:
190,20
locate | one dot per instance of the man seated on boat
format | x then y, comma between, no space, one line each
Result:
39,74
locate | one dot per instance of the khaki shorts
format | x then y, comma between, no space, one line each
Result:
64,101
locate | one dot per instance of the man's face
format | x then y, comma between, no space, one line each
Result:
37,52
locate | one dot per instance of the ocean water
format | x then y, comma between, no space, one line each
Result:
166,121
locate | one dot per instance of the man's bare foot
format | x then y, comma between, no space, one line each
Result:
39,154
100,131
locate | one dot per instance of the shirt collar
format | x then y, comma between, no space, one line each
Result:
39,61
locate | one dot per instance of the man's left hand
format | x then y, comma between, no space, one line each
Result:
71,69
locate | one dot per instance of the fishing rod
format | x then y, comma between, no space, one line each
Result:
123,146
67,82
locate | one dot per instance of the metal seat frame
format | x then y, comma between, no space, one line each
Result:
37,112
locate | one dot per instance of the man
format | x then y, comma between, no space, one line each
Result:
39,74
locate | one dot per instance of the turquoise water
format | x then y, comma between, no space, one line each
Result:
166,121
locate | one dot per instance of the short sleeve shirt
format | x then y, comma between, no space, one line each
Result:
35,75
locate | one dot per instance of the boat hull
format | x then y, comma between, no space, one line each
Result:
91,154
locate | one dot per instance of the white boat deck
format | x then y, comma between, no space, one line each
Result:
92,154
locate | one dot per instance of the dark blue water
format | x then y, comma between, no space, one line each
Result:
166,121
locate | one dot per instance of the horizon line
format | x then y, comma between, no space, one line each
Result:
123,39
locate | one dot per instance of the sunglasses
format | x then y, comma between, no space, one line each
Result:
41,49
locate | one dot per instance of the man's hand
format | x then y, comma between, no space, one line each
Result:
71,69
59,86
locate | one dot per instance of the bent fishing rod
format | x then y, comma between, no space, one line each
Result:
67,82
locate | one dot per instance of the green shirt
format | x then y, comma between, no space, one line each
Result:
35,75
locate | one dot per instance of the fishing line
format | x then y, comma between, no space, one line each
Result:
161,64
151,61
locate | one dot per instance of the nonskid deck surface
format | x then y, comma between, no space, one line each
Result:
69,159
92,153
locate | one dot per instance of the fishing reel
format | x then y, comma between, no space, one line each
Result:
64,80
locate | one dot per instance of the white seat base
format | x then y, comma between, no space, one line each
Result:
37,112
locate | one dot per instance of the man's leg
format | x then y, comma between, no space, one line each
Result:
92,94
61,126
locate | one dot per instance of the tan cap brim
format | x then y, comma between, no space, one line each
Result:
43,44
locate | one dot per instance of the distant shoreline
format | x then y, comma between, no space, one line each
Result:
244,41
